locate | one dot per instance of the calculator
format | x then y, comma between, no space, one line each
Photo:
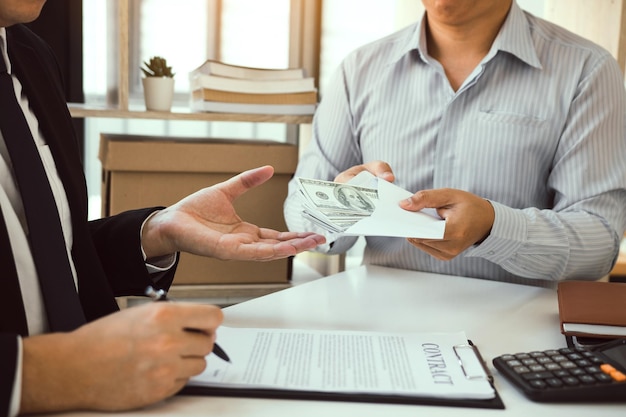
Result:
573,374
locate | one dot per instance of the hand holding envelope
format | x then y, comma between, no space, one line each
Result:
366,206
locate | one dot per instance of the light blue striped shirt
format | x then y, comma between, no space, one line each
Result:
538,129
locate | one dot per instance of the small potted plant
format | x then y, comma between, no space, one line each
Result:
158,84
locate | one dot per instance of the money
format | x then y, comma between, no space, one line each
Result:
336,206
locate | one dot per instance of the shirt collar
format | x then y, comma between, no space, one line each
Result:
514,37
414,39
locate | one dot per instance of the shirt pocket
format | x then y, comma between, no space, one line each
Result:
506,156
510,118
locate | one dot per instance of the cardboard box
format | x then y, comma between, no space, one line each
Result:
143,171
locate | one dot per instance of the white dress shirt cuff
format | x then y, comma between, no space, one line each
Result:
158,264
16,396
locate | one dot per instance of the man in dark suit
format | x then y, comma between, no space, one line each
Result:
118,359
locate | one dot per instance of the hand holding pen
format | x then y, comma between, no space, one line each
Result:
161,295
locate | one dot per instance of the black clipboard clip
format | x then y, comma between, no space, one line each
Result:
469,369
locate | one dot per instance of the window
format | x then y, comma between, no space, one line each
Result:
177,33
242,32
340,35
256,33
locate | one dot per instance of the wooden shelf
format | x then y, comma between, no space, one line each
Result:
304,52
78,110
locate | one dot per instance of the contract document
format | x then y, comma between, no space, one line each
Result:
347,365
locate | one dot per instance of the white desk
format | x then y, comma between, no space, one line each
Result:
498,317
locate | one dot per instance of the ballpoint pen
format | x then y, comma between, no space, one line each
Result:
161,295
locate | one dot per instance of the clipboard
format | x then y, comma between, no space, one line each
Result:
465,354
494,403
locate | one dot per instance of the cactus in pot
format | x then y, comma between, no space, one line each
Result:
158,84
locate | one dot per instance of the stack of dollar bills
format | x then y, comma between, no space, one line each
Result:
336,206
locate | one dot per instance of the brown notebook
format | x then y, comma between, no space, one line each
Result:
592,308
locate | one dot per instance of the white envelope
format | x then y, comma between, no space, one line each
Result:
389,219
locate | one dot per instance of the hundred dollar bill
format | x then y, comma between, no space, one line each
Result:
326,224
333,196
333,224
335,206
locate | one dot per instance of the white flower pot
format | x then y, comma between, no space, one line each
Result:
158,93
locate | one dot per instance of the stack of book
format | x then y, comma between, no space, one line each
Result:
224,88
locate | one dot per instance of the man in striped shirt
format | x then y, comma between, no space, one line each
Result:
511,127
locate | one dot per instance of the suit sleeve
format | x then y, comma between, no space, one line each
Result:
118,244
8,366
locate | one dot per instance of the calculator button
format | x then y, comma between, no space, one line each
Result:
537,354
559,358
521,369
606,368
602,377
561,373
567,364
538,383
593,369
551,352
522,356
583,362
618,376
552,366
571,380
575,356
528,362
514,363
554,382
537,375
577,371
587,379
544,359
537,368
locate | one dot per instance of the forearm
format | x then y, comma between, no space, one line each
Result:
544,244
49,380
129,359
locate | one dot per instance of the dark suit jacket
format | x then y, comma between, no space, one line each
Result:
106,252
